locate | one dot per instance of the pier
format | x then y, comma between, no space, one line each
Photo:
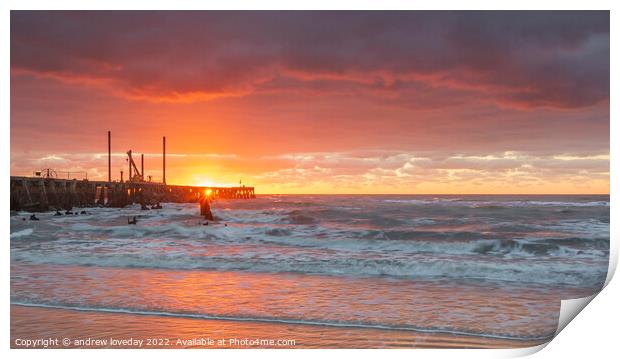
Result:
45,192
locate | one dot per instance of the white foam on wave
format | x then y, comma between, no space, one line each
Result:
421,266
22,233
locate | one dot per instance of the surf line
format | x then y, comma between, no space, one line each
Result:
285,321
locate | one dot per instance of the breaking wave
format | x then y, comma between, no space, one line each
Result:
456,237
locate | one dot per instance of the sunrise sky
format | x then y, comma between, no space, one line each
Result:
318,102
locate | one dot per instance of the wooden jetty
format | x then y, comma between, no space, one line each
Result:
45,192
37,194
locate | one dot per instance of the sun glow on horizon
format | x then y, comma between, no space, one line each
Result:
204,181
361,172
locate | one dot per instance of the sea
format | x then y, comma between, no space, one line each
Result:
309,271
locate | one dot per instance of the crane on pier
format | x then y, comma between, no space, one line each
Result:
138,175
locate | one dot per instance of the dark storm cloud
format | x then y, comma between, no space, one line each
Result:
528,59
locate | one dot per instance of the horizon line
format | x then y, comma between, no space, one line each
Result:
435,194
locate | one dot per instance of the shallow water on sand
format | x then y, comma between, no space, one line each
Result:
165,332
452,271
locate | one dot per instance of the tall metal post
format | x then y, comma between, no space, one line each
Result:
164,159
129,162
142,167
109,156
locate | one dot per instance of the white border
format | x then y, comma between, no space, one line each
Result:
594,331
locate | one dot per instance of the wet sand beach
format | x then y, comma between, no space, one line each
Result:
166,332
